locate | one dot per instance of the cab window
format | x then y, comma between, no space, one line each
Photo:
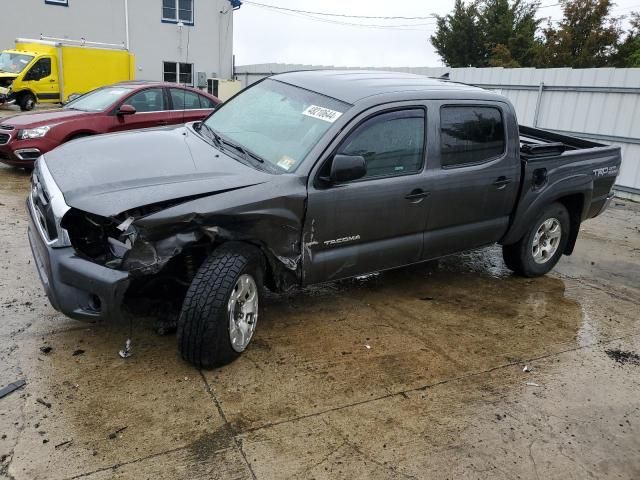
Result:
391,143
151,100
470,134
41,69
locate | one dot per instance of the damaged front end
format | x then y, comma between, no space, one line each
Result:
117,243
6,91
170,241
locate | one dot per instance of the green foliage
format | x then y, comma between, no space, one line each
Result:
629,49
456,39
487,33
506,33
586,37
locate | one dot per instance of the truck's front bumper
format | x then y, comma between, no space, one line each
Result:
76,287
7,98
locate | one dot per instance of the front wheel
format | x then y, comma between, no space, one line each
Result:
27,101
220,311
542,246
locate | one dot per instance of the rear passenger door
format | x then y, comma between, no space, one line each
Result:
473,178
152,110
189,106
375,222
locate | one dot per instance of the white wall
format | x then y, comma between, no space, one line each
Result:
210,40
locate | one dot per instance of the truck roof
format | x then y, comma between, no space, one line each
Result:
352,86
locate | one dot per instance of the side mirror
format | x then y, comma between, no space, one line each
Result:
126,110
346,168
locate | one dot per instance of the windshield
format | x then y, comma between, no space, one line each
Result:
278,122
14,62
99,99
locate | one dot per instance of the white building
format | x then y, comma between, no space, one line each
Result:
172,40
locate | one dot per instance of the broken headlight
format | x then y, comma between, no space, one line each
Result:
98,238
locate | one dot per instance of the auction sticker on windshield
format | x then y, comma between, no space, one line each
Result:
322,113
286,162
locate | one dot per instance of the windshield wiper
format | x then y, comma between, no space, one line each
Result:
246,153
217,139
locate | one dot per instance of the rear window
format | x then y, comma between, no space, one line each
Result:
470,134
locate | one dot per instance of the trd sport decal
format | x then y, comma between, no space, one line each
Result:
601,172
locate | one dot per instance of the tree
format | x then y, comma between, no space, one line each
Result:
587,36
457,39
628,54
509,31
487,33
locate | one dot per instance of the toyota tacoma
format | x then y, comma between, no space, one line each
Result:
304,177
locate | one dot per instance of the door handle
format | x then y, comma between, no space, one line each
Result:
501,182
416,194
52,81
162,122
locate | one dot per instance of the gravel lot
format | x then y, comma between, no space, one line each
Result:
415,373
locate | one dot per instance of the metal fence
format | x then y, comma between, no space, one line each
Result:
595,103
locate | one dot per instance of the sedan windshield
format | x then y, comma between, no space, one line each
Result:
14,62
278,122
99,99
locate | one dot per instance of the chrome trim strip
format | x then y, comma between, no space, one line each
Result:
58,206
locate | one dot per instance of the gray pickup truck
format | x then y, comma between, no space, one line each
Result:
303,178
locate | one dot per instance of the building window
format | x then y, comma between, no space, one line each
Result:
175,11
64,3
178,73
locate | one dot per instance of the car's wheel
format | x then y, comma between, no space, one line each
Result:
27,101
542,246
220,310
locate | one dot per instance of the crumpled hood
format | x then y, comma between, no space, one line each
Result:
110,174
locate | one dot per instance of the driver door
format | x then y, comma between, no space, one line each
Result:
376,222
152,110
42,79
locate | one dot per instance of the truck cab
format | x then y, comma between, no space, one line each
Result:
29,74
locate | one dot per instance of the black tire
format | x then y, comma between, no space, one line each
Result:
27,101
203,324
519,256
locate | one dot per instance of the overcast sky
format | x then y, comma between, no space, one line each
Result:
263,35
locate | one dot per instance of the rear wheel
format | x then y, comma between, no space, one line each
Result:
220,311
27,101
541,247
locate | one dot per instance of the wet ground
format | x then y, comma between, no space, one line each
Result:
416,373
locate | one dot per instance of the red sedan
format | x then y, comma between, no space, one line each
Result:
124,106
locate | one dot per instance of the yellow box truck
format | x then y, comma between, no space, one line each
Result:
49,70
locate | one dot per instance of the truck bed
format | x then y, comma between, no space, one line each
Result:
555,166
535,142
